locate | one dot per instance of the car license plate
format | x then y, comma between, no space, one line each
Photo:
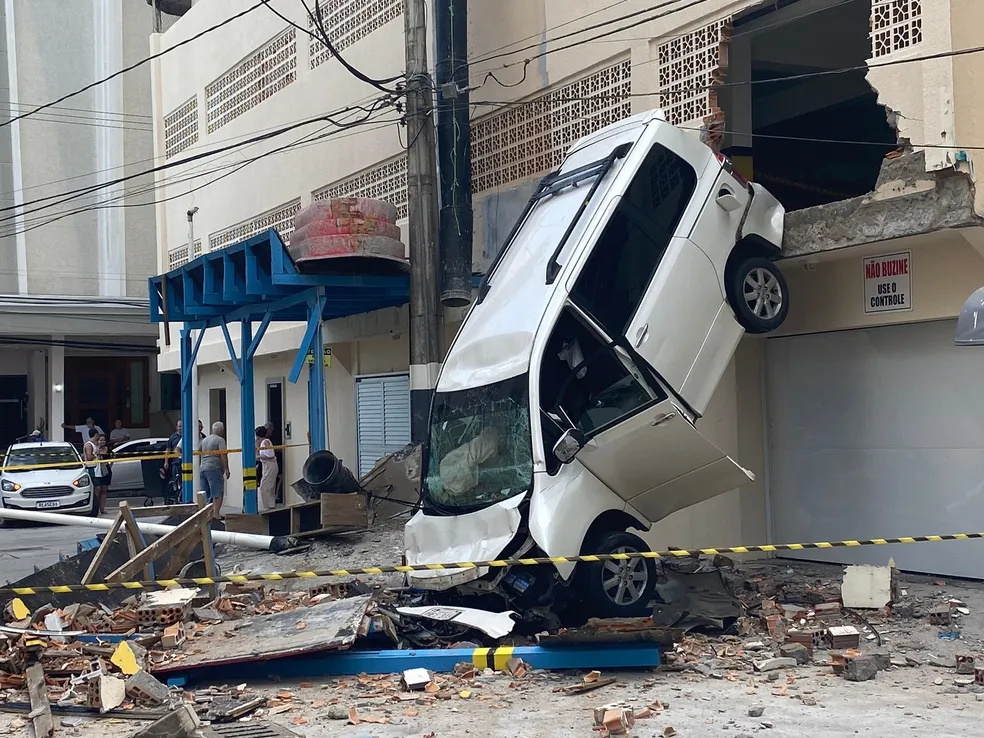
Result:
47,504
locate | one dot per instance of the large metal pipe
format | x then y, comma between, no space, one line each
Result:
246,540
454,151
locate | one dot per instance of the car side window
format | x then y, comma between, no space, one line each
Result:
623,261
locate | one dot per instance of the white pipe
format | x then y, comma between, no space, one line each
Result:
247,540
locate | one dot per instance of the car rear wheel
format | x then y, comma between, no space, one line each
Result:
613,589
759,295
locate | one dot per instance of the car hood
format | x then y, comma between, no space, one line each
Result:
38,477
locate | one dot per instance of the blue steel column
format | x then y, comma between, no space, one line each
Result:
316,387
248,418
189,427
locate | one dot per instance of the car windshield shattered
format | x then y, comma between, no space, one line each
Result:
480,450
50,458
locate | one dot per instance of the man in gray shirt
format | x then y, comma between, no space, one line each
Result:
214,463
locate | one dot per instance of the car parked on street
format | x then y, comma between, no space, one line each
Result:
566,411
61,484
127,470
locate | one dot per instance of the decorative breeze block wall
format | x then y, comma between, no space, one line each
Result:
532,137
386,181
689,68
181,128
179,254
895,25
258,77
348,21
280,218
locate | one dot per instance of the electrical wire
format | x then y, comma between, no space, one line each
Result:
322,37
307,140
130,68
74,194
85,110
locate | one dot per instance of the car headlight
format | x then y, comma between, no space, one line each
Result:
81,481
7,486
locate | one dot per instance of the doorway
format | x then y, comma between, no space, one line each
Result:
275,414
13,408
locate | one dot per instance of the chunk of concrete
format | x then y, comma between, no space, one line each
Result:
142,687
774,664
179,723
882,657
860,669
795,651
867,587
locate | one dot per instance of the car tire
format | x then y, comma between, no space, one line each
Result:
759,295
614,589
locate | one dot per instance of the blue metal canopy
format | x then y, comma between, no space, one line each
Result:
251,282
257,278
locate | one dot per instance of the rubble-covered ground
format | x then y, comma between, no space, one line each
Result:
708,686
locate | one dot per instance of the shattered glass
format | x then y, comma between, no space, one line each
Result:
479,447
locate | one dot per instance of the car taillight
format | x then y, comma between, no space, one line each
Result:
729,167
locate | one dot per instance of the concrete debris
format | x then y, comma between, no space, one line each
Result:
773,664
860,669
796,651
869,587
756,712
941,662
182,722
142,687
965,664
881,656
844,636
416,679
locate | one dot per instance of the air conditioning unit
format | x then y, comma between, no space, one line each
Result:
171,7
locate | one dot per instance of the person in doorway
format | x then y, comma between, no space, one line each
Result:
269,469
214,464
201,431
83,430
90,454
104,474
119,435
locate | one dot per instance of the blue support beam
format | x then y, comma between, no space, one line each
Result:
248,418
318,415
341,663
188,352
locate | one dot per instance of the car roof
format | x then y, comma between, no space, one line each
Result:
40,444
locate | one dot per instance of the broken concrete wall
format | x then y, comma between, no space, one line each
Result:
907,200
966,22
919,95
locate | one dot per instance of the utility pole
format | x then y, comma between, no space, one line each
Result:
190,430
425,311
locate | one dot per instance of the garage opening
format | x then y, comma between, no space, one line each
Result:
848,132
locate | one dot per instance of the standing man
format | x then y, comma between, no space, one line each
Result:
214,463
118,435
83,430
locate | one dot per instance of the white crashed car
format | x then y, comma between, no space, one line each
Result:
60,485
565,413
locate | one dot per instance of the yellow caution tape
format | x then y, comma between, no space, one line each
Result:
122,459
494,564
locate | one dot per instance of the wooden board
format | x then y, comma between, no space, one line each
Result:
330,515
327,626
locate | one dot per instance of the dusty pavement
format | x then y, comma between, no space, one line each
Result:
708,696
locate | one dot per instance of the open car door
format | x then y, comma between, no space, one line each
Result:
659,463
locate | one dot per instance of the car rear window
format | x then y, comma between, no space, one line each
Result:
30,457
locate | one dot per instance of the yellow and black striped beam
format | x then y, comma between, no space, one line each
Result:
494,564
249,477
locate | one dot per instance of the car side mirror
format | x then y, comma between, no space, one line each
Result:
569,445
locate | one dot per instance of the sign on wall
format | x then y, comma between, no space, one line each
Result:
309,359
888,283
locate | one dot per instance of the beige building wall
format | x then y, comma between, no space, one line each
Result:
967,32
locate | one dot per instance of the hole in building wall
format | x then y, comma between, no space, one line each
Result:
796,37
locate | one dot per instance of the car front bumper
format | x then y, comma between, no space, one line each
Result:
78,502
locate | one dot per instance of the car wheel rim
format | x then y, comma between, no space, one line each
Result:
763,293
625,582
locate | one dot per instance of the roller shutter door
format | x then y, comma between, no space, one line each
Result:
383,416
878,433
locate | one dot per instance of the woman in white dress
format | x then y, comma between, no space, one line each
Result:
267,458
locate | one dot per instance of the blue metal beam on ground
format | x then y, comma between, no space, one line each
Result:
340,663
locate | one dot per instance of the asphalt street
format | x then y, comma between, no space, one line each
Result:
25,546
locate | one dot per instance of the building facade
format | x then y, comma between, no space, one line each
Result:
858,418
76,253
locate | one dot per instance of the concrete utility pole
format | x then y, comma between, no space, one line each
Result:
425,310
